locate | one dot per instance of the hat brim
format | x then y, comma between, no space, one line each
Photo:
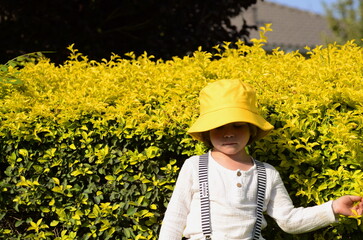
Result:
215,119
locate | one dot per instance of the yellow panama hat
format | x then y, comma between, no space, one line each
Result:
227,101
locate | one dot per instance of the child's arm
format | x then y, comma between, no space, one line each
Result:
348,205
175,217
296,220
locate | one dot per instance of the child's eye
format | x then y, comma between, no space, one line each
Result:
239,125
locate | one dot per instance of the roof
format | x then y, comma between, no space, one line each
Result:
292,28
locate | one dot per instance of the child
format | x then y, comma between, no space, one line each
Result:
229,121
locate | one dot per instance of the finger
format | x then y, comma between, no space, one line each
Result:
356,198
360,208
356,210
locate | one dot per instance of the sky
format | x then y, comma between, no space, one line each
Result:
315,6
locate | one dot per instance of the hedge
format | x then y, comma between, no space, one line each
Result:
91,150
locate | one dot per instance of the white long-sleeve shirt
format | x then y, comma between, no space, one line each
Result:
233,205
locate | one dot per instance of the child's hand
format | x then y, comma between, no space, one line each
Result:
344,205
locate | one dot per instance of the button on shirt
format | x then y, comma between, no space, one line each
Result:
233,204
238,180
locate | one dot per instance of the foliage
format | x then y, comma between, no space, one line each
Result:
9,70
345,18
15,63
91,150
162,28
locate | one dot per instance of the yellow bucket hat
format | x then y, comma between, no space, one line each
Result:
228,101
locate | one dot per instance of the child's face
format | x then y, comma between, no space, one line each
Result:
230,139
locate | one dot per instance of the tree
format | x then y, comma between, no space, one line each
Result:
345,18
101,27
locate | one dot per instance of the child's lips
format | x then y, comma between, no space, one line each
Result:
229,144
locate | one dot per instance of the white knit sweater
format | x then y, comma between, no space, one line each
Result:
233,204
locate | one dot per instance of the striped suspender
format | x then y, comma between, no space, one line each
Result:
261,188
204,197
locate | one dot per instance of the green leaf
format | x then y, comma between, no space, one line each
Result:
23,152
152,152
54,223
18,223
110,178
131,211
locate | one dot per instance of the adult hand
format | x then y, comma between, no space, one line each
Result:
344,205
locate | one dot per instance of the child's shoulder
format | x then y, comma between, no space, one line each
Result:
192,161
190,165
268,166
194,158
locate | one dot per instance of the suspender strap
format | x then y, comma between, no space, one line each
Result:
261,189
204,197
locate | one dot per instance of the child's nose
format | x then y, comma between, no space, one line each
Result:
228,135
229,132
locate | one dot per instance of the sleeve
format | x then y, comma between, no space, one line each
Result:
176,213
297,220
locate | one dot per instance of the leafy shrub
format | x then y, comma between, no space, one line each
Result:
91,150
